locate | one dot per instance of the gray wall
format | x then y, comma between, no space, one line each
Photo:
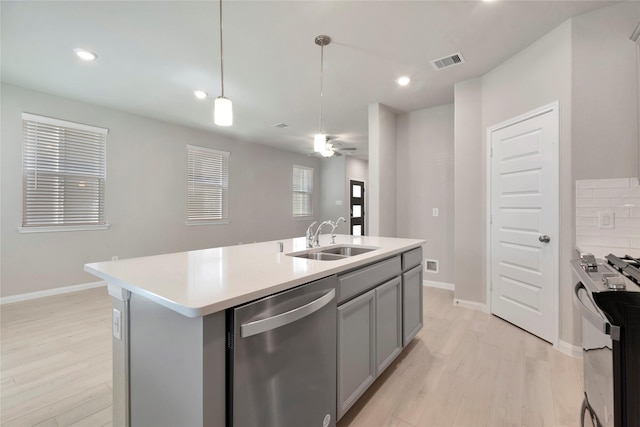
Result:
146,194
425,177
332,173
568,65
605,110
382,172
358,169
470,201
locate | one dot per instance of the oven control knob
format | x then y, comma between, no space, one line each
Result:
544,239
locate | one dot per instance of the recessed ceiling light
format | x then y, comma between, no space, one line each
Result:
85,55
200,94
403,81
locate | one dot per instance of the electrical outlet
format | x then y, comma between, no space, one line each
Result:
114,258
436,212
117,323
606,220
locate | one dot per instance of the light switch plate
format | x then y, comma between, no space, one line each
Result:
606,220
436,212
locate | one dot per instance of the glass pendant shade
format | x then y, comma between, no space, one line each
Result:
319,142
223,112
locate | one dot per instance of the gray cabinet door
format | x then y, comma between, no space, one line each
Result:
411,304
388,323
356,349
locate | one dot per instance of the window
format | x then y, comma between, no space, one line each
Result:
302,191
208,185
64,174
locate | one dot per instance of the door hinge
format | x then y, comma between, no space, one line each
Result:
491,219
491,151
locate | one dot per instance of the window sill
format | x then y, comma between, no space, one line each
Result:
59,228
213,222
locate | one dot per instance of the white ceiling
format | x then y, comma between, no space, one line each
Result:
153,54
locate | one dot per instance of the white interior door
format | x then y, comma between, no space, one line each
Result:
524,222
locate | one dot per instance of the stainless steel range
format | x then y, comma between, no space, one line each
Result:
608,295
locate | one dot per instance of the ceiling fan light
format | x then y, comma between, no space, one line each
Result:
223,112
327,151
319,142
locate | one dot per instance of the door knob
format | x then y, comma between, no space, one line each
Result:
544,239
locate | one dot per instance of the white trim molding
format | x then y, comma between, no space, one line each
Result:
570,349
439,285
50,292
473,305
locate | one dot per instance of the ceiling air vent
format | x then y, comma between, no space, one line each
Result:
280,125
447,61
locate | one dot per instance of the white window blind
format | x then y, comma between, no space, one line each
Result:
64,173
208,185
302,191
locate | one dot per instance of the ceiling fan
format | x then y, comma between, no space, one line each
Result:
333,148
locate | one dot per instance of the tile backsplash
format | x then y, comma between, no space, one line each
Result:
600,199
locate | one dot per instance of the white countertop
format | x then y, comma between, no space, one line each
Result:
602,251
201,282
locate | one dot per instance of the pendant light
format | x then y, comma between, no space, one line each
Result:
320,139
222,109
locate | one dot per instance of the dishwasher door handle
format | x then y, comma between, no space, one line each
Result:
596,319
264,325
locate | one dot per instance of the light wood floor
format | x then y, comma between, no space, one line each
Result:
464,369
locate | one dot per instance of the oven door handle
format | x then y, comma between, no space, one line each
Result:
598,320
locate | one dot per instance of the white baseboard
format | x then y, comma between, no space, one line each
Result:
439,285
473,305
570,349
50,292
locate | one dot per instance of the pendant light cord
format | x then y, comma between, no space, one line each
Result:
221,53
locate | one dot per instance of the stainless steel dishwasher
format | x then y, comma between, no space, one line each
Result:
282,359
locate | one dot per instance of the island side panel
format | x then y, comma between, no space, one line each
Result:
172,360
120,358
214,369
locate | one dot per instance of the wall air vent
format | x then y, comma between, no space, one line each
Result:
447,61
431,265
280,125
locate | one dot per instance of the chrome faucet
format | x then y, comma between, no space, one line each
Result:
316,237
310,234
334,225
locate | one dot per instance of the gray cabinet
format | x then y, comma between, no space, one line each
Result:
374,326
411,304
356,349
388,323
369,339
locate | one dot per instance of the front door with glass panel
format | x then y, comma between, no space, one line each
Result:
356,208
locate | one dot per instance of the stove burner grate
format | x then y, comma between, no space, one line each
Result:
627,265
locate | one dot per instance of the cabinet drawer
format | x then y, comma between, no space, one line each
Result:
411,259
359,281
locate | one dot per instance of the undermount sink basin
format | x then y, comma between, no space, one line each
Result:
320,256
333,253
348,250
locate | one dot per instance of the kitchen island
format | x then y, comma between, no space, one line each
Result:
169,323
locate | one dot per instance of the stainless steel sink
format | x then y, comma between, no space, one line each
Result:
348,250
333,253
320,256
